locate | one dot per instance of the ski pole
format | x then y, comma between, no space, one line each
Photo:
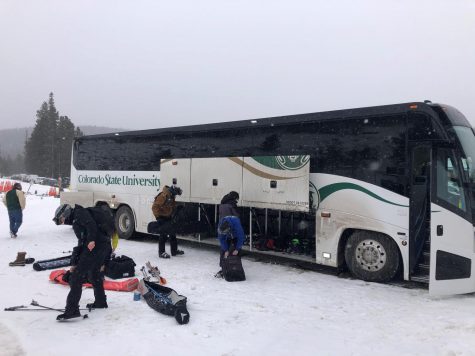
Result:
15,308
35,303
31,309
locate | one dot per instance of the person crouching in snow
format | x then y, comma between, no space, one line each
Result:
87,259
231,239
15,202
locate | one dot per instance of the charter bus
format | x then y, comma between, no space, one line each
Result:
383,191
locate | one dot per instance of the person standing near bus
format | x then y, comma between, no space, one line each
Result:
15,202
164,209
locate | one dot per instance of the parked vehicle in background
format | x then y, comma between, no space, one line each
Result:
65,182
50,181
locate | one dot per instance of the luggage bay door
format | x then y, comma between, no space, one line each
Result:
212,178
276,182
176,171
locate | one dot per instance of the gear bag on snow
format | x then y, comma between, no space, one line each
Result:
120,267
52,263
165,300
232,269
127,285
104,219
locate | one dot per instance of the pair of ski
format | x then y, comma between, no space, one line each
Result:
40,307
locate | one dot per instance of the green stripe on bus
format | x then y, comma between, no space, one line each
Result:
327,190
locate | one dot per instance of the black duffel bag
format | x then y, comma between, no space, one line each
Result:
232,269
120,267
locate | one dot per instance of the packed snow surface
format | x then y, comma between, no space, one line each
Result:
278,310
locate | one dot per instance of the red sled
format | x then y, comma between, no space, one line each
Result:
127,285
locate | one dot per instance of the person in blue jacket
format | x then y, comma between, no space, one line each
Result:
231,239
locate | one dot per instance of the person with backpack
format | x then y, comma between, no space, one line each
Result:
93,234
164,209
15,202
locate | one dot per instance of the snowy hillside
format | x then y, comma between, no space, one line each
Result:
277,311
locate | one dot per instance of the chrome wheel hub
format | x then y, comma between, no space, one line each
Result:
124,223
371,255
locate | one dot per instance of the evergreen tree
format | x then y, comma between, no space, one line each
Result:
65,135
48,150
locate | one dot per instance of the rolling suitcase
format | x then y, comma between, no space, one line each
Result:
232,269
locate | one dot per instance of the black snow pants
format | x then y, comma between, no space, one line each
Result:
173,243
165,227
88,268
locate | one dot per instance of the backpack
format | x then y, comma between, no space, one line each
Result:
104,219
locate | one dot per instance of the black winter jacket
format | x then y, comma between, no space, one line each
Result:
228,207
85,227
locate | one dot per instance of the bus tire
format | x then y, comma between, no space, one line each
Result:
125,222
371,256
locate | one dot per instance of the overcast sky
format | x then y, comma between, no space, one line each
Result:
148,64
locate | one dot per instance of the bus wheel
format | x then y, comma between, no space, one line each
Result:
371,256
125,222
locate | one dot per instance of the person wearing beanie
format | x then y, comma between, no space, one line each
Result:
15,202
164,209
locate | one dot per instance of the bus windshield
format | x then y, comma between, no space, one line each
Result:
467,141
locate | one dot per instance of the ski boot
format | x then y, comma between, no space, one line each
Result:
164,255
68,315
96,305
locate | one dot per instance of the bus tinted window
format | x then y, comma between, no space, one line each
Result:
422,127
368,149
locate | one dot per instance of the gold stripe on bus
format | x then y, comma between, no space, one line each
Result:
256,171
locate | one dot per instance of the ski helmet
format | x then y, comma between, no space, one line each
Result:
64,211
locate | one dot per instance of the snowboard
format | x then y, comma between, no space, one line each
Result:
127,285
52,263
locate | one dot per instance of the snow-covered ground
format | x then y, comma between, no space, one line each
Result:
279,310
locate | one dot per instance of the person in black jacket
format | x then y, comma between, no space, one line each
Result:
87,259
228,206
